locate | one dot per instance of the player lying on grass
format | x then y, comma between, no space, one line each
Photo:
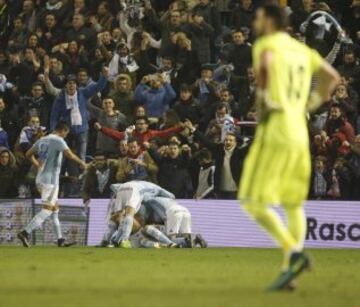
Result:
277,168
46,155
127,200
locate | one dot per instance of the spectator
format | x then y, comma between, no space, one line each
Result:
350,68
99,176
170,23
28,15
348,105
108,117
319,182
173,172
229,160
205,88
239,54
187,107
56,7
35,105
205,186
219,127
8,122
155,94
243,15
137,165
51,33
340,177
81,34
4,138
103,20
19,34
8,174
71,105
337,131
354,165
24,73
200,33
141,131
124,96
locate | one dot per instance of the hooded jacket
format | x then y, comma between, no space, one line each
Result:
8,176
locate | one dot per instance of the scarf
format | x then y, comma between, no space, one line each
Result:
204,91
227,125
128,62
320,184
53,7
103,178
73,105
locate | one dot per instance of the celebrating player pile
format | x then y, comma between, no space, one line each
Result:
135,207
277,169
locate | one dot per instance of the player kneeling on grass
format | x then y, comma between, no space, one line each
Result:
49,151
177,221
127,200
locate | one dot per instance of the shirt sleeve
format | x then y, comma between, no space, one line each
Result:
61,145
36,146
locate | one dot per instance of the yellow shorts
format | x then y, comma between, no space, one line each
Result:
275,174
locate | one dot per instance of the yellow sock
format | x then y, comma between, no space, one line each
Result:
273,224
297,227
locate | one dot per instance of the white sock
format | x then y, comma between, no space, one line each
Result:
57,226
37,220
110,230
126,228
157,235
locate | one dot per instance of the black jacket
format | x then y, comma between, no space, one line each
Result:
218,151
173,174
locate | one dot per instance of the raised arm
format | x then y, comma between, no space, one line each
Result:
93,88
116,135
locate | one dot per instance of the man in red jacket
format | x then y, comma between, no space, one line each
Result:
141,133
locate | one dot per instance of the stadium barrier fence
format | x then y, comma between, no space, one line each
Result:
331,224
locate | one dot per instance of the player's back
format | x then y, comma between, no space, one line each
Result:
289,82
50,153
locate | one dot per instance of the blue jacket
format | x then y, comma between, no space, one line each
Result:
59,111
4,139
155,101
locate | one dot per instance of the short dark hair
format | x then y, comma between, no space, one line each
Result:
185,88
62,126
133,140
221,106
204,154
277,14
37,83
83,69
142,118
100,153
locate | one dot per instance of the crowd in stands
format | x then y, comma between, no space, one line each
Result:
162,90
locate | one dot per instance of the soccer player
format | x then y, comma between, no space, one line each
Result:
127,201
277,168
49,151
177,220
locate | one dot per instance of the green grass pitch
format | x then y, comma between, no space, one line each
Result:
49,276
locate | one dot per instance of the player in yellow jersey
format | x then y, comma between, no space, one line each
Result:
277,168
